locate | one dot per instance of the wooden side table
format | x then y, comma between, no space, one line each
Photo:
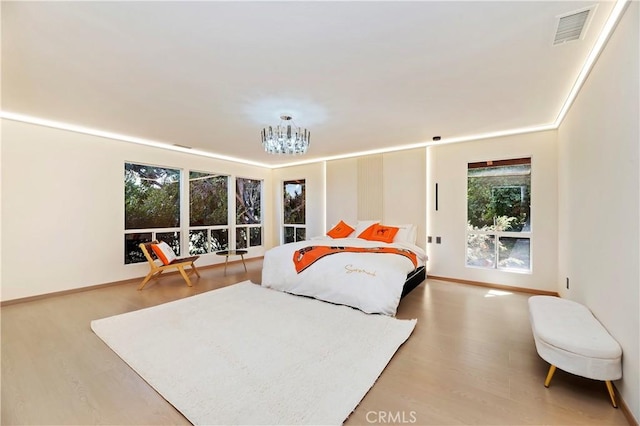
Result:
227,253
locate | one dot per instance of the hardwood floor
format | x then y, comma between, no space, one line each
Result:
470,360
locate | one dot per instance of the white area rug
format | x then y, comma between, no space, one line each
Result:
245,354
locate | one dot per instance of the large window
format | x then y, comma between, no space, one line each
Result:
294,211
152,208
248,213
499,214
208,212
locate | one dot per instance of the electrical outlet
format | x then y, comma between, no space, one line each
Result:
567,283
438,240
429,239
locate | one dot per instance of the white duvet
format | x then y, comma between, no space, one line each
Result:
371,282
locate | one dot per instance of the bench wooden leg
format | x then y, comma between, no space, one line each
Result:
552,369
611,393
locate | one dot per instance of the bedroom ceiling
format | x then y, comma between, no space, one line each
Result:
359,75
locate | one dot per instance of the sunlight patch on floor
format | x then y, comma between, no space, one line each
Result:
495,293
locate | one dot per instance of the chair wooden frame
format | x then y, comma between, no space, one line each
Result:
178,264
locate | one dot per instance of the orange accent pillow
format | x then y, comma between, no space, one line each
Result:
164,252
382,233
366,234
341,230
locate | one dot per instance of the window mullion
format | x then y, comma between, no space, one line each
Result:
184,213
231,218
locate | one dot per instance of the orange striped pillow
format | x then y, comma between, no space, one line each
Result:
164,252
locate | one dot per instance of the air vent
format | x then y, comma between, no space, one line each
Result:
572,26
182,146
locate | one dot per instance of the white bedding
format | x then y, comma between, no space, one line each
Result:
371,282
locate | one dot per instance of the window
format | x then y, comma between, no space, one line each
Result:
499,214
153,202
293,208
248,213
152,208
208,213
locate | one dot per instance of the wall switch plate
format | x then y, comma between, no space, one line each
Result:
429,239
438,240
567,282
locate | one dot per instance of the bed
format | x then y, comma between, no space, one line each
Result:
370,275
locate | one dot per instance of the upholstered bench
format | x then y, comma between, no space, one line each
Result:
569,337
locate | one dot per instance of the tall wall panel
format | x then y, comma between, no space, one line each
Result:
342,191
390,187
370,193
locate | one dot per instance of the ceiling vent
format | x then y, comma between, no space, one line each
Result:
572,26
182,146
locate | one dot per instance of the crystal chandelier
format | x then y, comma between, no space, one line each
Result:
285,139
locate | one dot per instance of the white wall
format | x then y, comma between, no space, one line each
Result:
63,207
447,165
402,180
404,189
315,200
370,187
342,191
599,198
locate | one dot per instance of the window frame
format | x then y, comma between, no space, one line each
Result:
294,226
497,234
233,239
154,231
208,228
184,228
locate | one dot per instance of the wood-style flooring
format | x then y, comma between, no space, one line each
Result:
470,361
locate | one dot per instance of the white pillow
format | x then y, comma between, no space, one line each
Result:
362,225
406,234
164,252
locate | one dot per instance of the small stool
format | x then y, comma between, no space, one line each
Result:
569,337
227,253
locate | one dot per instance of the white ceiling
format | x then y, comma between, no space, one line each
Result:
359,75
